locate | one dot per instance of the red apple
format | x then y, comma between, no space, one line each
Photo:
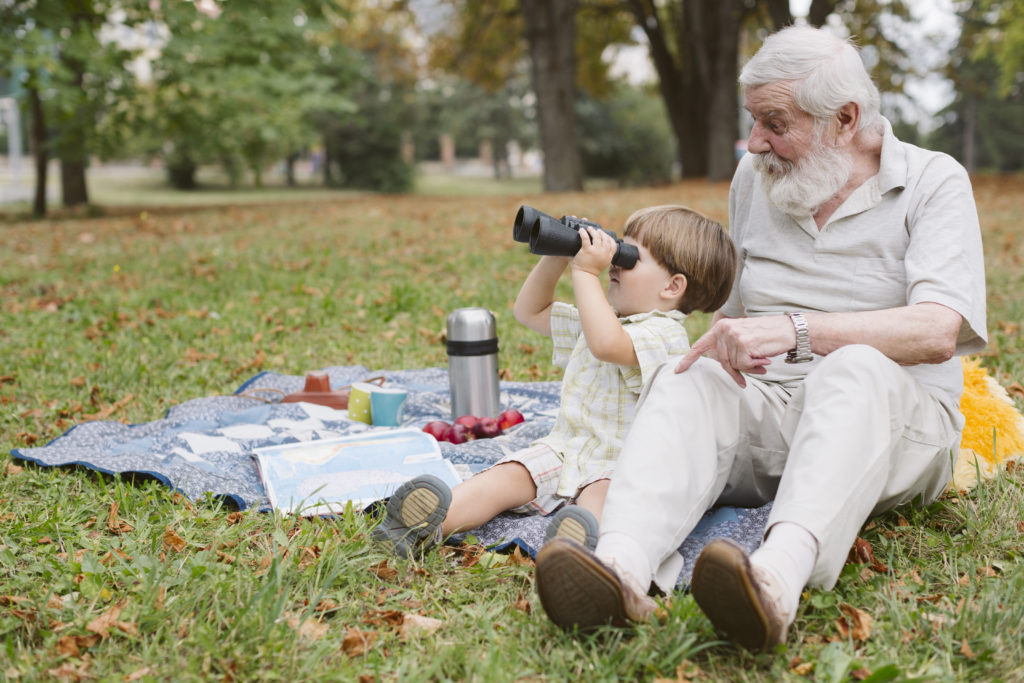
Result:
439,429
467,420
486,428
510,418
461,433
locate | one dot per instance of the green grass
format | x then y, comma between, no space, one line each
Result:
132,312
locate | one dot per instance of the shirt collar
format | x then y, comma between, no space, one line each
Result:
638,317
892,167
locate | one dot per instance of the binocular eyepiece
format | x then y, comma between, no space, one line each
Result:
549,236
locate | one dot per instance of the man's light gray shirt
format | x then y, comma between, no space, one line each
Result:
908,235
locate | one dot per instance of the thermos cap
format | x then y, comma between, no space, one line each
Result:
471,324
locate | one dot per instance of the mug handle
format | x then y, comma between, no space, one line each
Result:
378,380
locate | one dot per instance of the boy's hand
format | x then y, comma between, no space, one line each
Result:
596,252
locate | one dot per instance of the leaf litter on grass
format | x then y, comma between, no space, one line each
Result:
170,306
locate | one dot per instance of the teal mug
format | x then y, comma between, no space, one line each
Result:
387,406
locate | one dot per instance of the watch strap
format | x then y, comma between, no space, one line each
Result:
802,352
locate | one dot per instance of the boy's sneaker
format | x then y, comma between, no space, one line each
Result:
575,523
413,515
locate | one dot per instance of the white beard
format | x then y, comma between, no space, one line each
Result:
801,188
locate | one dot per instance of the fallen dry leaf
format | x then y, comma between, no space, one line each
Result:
69,672
108,410
173,541
966,650
357,642
327,605
862,553
803,669
11,469
856,624
309,629
471,554
102,624
383,571
68,645
138,673
523,604
391,617
116,525
234,518
415,624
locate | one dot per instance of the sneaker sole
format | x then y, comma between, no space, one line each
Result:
722,587
576,590
574,523
414,513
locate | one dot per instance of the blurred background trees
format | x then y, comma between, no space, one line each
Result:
364,90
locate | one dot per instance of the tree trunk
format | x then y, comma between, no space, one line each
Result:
679,79
289,169
37,142
326,169
724,24
72,180
970,149
550,34
819,11
780,13
74,155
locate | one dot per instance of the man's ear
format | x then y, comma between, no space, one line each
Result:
675,287
847,122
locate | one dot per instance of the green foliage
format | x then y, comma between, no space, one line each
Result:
365,149
626,138
1000,36
984,125
241,87
54,50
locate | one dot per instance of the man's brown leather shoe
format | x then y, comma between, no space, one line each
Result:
577,590
742,601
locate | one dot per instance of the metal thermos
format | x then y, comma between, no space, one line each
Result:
473,362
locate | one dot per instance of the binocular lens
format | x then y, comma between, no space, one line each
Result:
549,236
526,218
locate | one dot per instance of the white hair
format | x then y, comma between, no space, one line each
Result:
826,70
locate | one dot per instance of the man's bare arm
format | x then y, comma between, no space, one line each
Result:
909,335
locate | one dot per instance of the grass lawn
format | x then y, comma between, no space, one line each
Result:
126,314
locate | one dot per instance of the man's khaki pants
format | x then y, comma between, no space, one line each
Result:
857,437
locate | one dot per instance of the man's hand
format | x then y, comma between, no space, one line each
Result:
743,344
596,251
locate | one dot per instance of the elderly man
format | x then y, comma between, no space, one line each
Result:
828,383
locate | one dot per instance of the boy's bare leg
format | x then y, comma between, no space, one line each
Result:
592,497
484,496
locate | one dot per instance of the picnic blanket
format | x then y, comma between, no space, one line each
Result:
204,446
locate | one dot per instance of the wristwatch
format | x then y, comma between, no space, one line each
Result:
802,352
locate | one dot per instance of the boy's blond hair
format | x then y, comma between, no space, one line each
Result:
684,241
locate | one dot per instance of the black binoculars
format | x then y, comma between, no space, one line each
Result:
549,236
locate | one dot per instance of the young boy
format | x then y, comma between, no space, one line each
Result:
608,347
